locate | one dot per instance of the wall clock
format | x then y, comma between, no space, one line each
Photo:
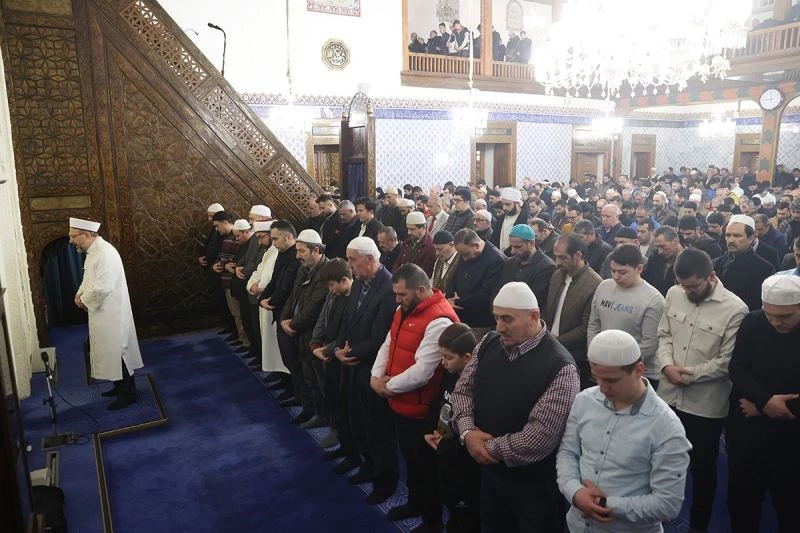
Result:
770,99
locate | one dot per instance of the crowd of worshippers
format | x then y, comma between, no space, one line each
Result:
541,357
461,42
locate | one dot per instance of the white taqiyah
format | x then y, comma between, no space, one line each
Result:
215,208
613,347
241,225
82,224
781,289
516,295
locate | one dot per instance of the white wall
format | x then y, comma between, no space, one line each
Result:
13,258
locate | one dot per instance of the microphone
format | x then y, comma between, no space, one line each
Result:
46,361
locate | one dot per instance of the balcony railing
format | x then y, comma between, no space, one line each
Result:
777,40
441,64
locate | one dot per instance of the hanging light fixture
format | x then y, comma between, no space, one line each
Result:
717,127
290,118
640,44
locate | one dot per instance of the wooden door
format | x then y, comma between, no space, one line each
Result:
326,166
480,149
587,163
749,160
642,163
502,167
745,154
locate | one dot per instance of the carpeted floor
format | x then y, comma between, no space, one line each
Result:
228,461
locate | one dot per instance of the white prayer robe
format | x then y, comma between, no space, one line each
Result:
112,333
270,352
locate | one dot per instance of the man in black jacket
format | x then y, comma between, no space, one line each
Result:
693,237
528,264
213,243
368,224
369,315
659,270
596,248
298,318
739,268
274,297
472,286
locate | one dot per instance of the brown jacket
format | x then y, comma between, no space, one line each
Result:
443,283
576,311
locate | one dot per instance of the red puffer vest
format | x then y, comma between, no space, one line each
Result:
407,334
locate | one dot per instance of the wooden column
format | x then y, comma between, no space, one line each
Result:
768,150
404,37
486,38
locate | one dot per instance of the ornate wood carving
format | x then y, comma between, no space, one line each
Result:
117,115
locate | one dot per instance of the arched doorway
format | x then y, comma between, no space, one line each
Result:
61,270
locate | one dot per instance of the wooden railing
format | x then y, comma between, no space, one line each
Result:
441,64
512,71
775,40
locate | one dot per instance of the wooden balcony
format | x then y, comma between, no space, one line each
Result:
449,72
766,51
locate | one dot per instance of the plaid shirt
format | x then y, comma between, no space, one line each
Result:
542,433
226,252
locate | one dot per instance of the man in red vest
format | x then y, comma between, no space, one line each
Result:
408,373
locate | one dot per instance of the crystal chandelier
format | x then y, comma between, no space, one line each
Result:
640,44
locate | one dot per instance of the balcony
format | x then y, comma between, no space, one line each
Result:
449,72
769,50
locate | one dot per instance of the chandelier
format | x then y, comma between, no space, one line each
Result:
642,44
717,127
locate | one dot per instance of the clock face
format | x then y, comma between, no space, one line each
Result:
770,99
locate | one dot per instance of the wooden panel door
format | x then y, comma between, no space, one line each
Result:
642,163
587,163
502,167
326,166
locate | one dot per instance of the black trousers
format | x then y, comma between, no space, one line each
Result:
125,387
422,479
703,433
374,432
337,396
250,324
514,502
761,459
290,355
314,377
221,304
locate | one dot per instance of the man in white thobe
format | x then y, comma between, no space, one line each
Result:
270,353
114,348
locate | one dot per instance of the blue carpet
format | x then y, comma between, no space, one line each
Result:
229,460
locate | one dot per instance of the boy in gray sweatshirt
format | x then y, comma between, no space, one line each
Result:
627,302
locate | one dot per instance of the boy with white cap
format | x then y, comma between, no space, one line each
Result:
764,418
114,348
511,405
623,458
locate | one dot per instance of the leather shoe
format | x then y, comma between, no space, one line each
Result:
362,476
121,403
379,495
285,395
277,385
242,350
290,402
315,422
345,466
230,338
109,393
304,416
329,441
330,455
402,512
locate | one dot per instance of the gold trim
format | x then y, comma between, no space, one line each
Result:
102,486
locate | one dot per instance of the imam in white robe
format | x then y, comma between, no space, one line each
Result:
112,333
270,353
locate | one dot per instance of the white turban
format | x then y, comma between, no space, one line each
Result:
510,194
82,224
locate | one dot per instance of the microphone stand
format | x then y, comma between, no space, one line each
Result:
55,440
224,45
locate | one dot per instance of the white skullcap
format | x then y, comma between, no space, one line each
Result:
516,295
768,199
364,245
613,347
483,214
262,226
572,193
405,202
415,218
261,211
241,225
215,208
694,197
82,224
480,202
309,236
781,289
510,194
391,190
742,219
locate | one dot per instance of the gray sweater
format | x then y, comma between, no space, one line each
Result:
636,311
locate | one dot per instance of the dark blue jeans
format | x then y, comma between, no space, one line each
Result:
512,502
